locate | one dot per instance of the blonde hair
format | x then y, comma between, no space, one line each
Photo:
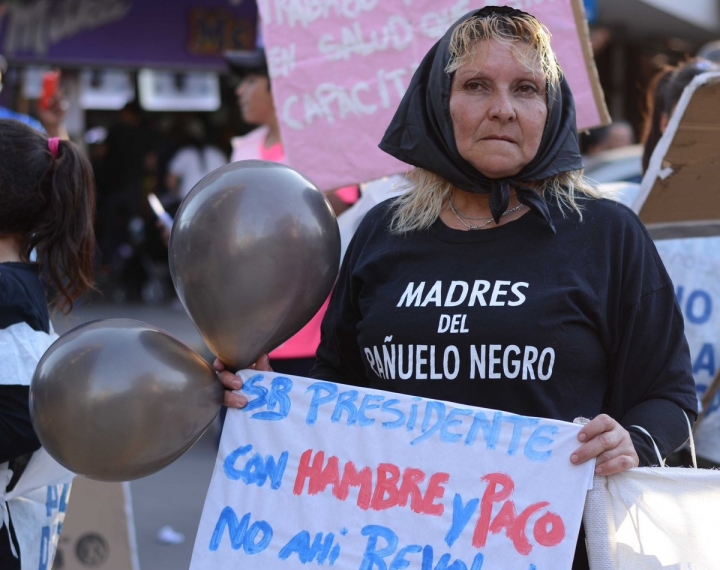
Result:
427,193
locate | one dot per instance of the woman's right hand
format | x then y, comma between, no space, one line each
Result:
232,382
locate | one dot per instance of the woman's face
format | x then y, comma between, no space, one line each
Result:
498,109
255,99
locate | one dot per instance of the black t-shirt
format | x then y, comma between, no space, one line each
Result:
517,318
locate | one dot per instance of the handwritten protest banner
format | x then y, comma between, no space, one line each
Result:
339,70
694,267
318,473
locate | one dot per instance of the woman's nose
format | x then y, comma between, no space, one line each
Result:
502,108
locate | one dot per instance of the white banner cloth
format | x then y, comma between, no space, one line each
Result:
314,472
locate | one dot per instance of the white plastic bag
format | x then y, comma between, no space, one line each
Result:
653,518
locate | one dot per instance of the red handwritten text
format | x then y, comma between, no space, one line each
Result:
391,487
548,529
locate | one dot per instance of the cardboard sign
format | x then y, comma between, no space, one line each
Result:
318,473
339,70
678,196
98,531
694,267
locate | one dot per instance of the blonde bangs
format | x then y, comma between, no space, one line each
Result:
507,30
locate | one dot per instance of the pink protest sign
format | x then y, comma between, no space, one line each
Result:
340,68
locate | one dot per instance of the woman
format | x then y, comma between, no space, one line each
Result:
500,279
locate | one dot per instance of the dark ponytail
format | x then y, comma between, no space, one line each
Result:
47,200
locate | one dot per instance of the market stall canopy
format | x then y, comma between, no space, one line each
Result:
181,35
679,194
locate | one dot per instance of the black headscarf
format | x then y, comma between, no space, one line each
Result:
421,133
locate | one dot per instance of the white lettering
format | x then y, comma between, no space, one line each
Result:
529,358
477,362
304,13
434,295
444,325
520,297
493,360
371,360
550,353
35,26
449,301
404,375
389,361
479,289
507,362
410,295
462,325
281,60
396,34
287,114
455,323
497,292
420,361
378,363
434,375
456,359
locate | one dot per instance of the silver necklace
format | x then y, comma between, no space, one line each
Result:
460,216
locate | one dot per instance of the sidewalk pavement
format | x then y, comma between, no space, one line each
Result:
175,495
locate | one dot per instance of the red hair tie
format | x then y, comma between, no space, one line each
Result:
53,145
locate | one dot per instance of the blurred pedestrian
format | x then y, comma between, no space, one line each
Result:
193,160
296,355
122,205
257,108
47,202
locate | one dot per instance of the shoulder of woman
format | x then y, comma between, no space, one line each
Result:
380,215
610,212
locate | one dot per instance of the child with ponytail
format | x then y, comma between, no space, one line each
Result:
47,201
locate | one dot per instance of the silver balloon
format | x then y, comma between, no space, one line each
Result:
254,253
118,399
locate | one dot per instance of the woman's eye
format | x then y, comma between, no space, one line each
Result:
527,89
473,85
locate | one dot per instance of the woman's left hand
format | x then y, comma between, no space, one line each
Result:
606,440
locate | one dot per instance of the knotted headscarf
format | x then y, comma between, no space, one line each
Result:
421,133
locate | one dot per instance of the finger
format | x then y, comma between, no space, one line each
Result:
218,365
596,426
233,400
230,380
624,448
617,464
263,363
596,446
